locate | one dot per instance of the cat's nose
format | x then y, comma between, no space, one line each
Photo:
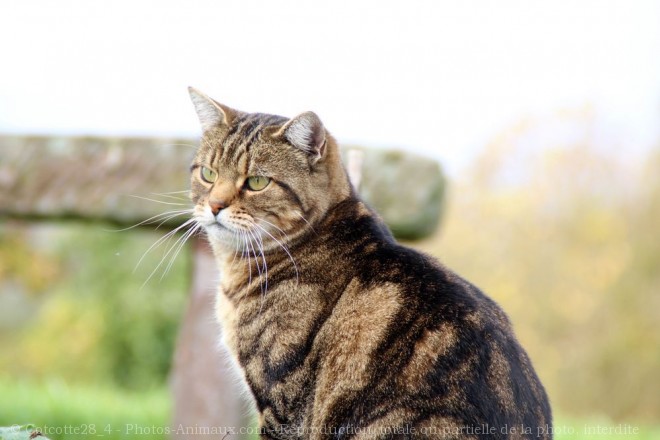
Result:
217,206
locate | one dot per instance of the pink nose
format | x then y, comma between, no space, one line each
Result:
217,206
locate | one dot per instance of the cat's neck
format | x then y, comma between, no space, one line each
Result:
350,218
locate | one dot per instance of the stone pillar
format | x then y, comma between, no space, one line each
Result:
207,394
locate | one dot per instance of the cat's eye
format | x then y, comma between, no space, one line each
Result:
208,175
257,183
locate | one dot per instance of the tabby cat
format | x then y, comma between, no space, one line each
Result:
340,331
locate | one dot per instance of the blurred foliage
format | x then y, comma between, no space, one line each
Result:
25,265
97,322
565,237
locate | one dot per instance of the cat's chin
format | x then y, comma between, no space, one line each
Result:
219,235
221,238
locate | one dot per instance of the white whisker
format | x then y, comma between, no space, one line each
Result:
174,192
235,250
256,261
169,251
159,242
170,196
295,266
273,225
248,256
182,241
154,219
305,220
260,244
166,219
263,258
158,201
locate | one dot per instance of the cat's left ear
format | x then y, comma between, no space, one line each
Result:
306,132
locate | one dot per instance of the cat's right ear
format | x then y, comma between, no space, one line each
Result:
306,132
211,113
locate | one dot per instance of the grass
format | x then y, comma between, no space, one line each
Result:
601,428
65,411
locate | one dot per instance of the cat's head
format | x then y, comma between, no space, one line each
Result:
262,178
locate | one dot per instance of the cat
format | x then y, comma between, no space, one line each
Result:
340,331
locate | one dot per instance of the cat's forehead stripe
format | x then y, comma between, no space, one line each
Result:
234,136
263,121
213,154
244,133
239,134
249,135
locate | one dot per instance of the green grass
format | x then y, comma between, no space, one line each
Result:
66,411
601,428
63,411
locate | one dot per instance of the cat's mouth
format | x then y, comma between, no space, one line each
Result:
214,228
225,230
219,225
220,233
241,231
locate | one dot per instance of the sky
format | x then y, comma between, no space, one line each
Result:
436,78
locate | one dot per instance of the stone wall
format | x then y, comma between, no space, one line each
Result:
107,178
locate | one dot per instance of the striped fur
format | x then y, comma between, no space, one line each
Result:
340,331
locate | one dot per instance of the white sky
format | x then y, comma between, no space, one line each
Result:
439,78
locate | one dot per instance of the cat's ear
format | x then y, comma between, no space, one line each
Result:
210,113
306,132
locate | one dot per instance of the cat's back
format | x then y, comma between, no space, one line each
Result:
411,344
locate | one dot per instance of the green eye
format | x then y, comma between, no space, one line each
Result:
208,175
257,183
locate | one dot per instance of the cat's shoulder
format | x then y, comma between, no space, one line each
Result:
371,255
